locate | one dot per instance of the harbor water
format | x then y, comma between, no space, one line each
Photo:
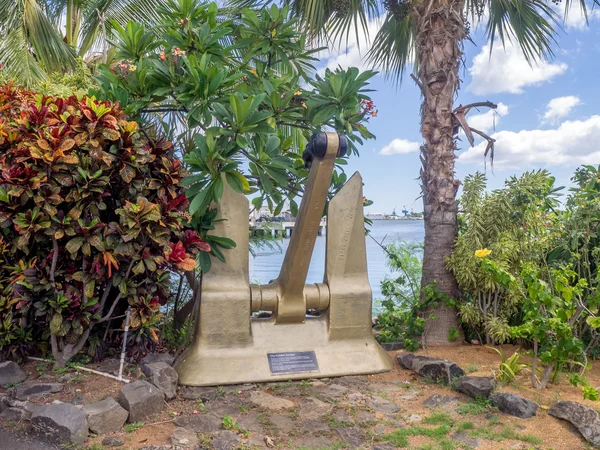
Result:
265,265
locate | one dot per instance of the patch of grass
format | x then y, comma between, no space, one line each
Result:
60,370
78,379
94,447
478,406
131,427
505,434
470,368
464,426
335,446
243,408
11,385
200,405
229,423
439,418
220,392
399,438
204,440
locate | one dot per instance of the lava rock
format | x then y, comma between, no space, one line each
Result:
206,394
463,438
113,441
157,357
382,405
163,376
225,440
14,415
200,423
585,419
514,405
105,416
37,390
439,370
60,423
184,438
476,386
405,360
354,437
10,372
270,402
141,399
440,400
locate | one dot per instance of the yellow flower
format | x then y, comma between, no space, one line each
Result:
298,93
482,253
132,68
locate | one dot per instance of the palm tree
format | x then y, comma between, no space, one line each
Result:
430,34
46,36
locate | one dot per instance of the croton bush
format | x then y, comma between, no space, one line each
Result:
93,219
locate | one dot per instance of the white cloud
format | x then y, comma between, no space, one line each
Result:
487,121
558,108
508,71
575,19
572,143
351,52
400,146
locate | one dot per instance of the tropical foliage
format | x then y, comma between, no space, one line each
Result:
45,37
517,224
238,98
92,216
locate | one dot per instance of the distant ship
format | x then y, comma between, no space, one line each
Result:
394,216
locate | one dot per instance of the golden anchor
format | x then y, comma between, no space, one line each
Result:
230,346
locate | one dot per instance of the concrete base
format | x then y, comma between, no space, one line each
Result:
204,365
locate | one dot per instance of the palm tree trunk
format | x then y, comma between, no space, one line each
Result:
441,31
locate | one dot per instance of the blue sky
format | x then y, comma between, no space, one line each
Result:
548,115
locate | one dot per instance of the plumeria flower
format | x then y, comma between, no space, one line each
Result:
482,253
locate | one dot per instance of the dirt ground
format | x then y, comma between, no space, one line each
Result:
382,411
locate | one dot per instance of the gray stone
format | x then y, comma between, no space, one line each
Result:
382,405
268,401
36,390
113,441
283,423
514,405
365,417
225,440
3,404
585,419
10,372
157,357
439,370
332,391
440,400
184,438
413,418
342,418
315,426
206,394
463,438
313,408
141,399
249,422
405,360
392,346
106,416
410,395
476,386
163,376
356,398
78,400
200,423
354,437
14,415
60,424
384,447
311,442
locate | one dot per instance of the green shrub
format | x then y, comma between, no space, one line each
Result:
92,217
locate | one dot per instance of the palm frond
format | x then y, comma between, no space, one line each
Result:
120,11
529,23
393,47
17,59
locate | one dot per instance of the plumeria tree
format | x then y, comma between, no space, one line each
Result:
239,95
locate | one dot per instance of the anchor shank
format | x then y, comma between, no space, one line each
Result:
292,278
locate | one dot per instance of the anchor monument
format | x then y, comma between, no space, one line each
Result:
230,346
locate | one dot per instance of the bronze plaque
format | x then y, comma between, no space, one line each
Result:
292,362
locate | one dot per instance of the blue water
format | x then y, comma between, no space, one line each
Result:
265,266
